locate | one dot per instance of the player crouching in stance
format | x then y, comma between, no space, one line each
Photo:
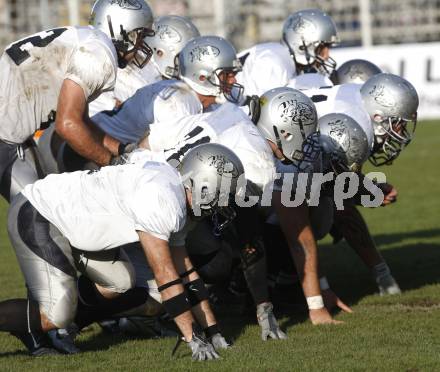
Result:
79,221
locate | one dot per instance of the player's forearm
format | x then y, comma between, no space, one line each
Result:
203,314
305,256
83,141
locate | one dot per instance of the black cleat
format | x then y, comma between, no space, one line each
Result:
36,343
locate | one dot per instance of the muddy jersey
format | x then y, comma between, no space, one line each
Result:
265,66
129,80
344,99
104,209
33,69
151,105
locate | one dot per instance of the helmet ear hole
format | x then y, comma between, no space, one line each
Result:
378,118
202,78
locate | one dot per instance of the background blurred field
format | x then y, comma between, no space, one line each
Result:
398,333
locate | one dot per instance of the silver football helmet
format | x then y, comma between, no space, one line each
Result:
171,35
126,22
356,71
211,171
305,33
288,118
392,104
344,144
205,63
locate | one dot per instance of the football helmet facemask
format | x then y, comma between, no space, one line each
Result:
306,33
392,104
127,23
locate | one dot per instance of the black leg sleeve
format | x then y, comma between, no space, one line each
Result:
20,315
93,307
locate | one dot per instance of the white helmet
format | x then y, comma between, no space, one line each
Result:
288,118
304,33
211,172
126,22
392,104
171,35
201,62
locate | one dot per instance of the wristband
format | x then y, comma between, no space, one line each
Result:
323,283
315,302
211,330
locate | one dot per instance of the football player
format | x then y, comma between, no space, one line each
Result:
306,38
171,33
288,120
389,104
207,66
229,126
81,219
53,75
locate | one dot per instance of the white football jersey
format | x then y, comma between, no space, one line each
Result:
129,80
344,99
311,80
33,69
103,209
151,105
227,125
265,66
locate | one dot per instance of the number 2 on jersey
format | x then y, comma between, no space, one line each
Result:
19,54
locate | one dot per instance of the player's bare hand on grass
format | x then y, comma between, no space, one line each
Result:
268,323
322,316
390,193
331,301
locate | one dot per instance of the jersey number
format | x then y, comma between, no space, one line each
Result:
19,55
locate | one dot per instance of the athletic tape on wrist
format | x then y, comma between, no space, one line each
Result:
323,283
315,302
197,291
169,284
177,305
211,330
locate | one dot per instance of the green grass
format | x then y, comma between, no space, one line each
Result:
385,333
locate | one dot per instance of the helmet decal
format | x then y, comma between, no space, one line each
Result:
380,95
339,135
294,111
168,33
204,53
302,25
355,72
127,4
223,166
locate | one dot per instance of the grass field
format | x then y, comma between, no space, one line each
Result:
400,333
